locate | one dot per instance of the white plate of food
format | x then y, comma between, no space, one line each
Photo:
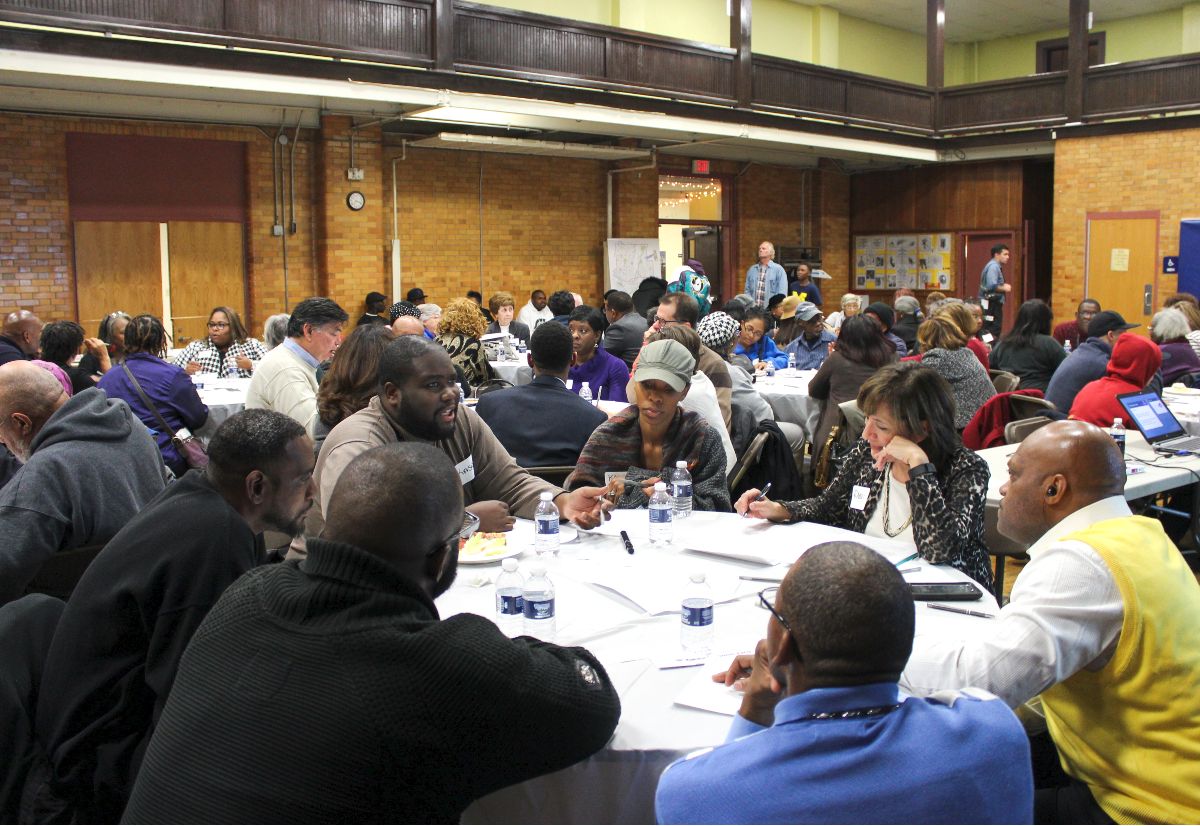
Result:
485,548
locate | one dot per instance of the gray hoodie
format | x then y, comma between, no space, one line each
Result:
968,379
91,467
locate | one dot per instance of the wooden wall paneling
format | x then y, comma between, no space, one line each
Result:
199,14
384,27
491,41
670,68
1144,86
1040,99
207,264
949,197
117,267
779,84
879,102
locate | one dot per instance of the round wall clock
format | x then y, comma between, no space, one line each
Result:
356,200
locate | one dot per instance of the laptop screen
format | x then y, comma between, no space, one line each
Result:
1150,414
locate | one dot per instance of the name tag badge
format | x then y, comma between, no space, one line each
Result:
983,302
466,469
858,497
987,337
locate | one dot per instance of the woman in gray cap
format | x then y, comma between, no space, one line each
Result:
653,434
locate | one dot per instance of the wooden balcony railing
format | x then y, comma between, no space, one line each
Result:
480,39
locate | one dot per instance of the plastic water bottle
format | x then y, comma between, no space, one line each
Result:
696,628
681,491
539,605
585,393
231,368
661,512
1117,431
1067,347
770,368
462,394
791,361
510,599
545,521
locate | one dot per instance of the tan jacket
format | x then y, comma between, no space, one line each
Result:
496,475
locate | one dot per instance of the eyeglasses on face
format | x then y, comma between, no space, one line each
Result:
470,525
767,597
218,325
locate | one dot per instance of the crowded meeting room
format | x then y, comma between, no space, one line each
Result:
646,411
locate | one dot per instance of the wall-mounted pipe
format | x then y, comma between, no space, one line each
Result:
292,175
397,273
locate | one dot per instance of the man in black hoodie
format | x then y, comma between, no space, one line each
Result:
330,691
90,465
118,645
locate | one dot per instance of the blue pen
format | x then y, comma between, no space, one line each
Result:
909,558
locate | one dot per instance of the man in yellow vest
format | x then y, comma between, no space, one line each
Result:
1103,623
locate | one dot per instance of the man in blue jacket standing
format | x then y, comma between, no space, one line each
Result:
765,278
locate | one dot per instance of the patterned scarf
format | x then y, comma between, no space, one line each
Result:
616,445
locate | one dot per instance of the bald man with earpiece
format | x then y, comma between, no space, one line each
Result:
1103,624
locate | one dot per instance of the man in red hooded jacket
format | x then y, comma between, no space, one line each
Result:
1133,363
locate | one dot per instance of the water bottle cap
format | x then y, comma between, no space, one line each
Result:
698,576
681,464
1118,422
660,486
510,565
538,569
547,496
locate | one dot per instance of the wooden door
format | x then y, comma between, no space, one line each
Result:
977,251
207,269
118,266
1122,253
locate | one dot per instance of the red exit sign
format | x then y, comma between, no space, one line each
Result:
701,167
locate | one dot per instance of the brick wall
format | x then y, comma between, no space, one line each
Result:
833,233
1119,173
36,254
543,223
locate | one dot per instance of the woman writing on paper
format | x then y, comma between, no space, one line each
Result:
908,479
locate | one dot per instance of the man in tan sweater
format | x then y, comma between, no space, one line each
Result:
286,379
418,402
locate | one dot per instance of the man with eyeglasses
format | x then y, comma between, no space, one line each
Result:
286,379
823,735
331,691
681,308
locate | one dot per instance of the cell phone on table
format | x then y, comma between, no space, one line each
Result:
947,591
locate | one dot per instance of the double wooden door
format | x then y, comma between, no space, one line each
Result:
178,271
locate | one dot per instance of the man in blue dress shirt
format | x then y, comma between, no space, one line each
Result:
765,278
823,734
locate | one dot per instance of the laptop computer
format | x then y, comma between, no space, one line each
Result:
1157,423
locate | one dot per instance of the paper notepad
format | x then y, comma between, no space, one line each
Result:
702,693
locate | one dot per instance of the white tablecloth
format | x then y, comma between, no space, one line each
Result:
224,397
617,784
518,372
787,393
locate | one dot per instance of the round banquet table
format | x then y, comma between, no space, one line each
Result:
625,609
515,372
224,397
787,393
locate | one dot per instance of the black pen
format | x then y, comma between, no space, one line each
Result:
980,614
761,496
628,544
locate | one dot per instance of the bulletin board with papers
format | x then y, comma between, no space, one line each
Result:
919,261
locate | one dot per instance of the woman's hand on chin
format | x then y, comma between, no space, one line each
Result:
902,453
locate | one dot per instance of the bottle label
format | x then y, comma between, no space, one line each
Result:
681,489
539,609
697,616
510,604
660,514
547,525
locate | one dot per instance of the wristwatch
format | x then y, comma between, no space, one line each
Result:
921,470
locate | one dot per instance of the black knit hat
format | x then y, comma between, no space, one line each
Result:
883,312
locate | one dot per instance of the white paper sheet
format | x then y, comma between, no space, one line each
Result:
702,693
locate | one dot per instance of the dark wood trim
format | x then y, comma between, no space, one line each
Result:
935,44
739,40
1077,49
443,35
1045,46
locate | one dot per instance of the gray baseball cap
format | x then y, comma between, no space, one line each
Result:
807,311
668,361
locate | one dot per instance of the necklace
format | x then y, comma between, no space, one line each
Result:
887,486
852,714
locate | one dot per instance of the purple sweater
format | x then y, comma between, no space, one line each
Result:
605,374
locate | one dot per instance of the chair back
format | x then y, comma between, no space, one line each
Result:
61,572
748,459
999,546
1004,381
554,474
856,420
1024,407
1015,432
490,385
